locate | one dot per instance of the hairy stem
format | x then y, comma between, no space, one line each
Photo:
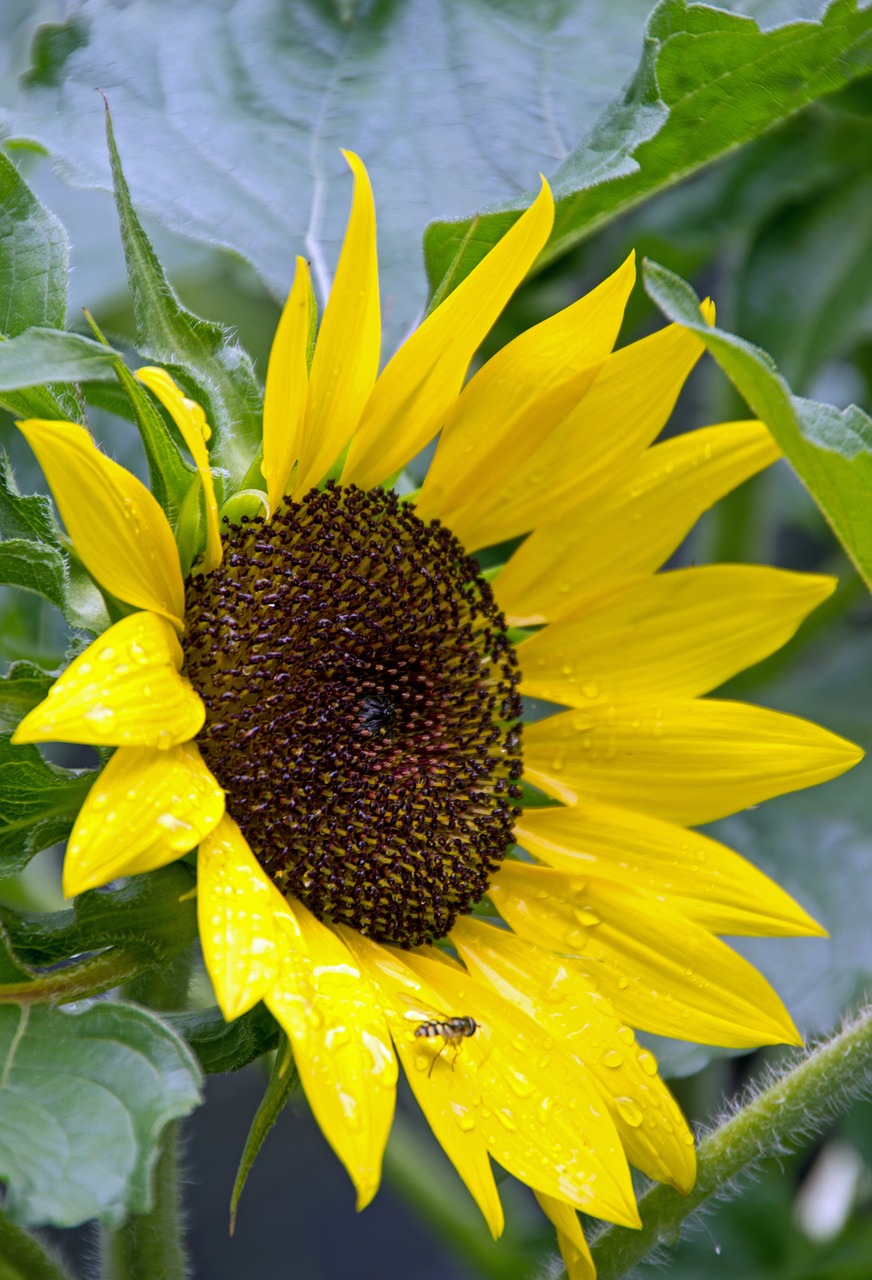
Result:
799,1102
150,1246
22,1257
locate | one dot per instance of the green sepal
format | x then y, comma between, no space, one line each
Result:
211,368
248,503
38,803
283,1080
34,258
153,916
226,1046
830,449
169,475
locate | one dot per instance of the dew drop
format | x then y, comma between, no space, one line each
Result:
629,1111
612,1058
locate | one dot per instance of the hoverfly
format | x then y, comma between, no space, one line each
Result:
453,1029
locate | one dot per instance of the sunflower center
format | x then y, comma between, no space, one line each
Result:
361,710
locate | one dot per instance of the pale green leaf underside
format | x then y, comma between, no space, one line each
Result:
84,1098
455,105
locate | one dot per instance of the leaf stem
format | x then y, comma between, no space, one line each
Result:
22,1257
149,1245
798,1103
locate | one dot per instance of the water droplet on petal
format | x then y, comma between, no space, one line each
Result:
629,1111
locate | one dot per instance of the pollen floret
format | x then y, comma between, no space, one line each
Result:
361,710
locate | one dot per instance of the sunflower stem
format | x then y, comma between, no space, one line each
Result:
796,1104
22,1257
150,1246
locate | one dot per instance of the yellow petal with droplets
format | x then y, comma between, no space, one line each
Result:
345,363
523,392
570,1238
418,387
561,999
676,634
287,386
623,411
444,1095
661,972
529,1083
146,809
118,529
246,928
640,755
124,690
633,524
190,419
690,872
335,1022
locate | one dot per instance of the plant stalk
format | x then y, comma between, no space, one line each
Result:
800,1102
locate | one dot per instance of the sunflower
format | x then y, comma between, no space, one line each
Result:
329,708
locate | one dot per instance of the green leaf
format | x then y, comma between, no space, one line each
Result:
830,449
21,688
283,1080
38,803
84,1098
251,160
213,368
154,916
708,82
50,355
33,258
33,566
33,559
226,1046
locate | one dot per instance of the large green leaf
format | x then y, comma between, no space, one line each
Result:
831,449
708,82
84,1098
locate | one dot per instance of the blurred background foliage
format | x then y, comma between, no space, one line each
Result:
777,230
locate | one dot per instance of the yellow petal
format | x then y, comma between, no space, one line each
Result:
691,873
525,1078
146,809
124,690
520,396
570,1238
661,972
334,1019
346,357
675,634
191,422
622,412
118,529
687,761
631,525
444,1093
561,999
239,910
287,385
418,387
